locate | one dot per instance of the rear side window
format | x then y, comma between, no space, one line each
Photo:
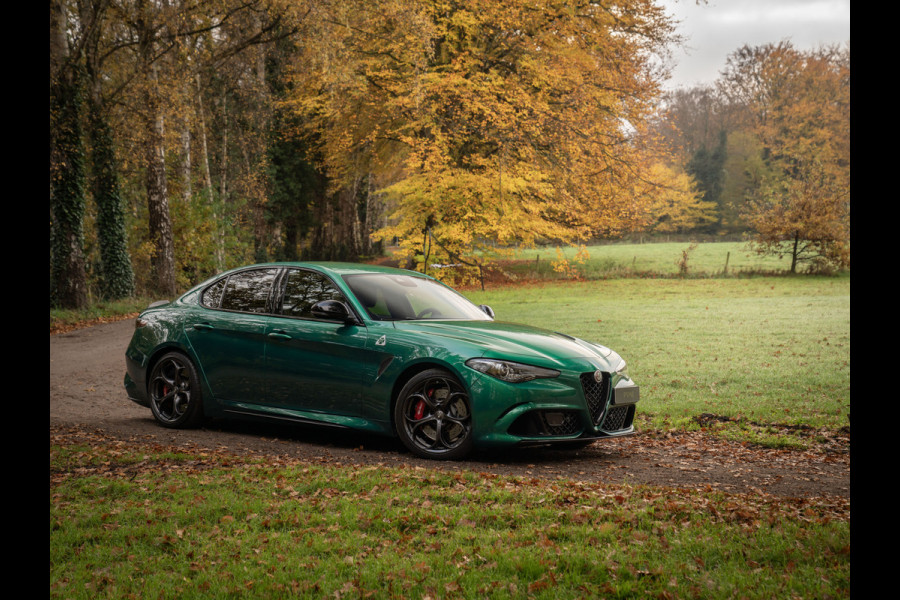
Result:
248,291
213,294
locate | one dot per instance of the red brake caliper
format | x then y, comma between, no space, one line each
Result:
420,407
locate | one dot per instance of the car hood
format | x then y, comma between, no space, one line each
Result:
513,341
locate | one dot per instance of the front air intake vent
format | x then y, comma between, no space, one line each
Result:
618,417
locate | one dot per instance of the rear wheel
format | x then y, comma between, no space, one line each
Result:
174,389
433,416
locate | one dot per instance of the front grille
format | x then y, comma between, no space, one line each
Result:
596,393
546,423
618,417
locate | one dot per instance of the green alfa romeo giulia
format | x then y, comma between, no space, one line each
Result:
372,348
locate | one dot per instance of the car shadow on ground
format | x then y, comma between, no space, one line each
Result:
311,440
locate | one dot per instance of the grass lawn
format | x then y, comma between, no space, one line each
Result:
144,524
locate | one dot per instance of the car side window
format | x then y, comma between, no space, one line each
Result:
213,294
303,289
248,291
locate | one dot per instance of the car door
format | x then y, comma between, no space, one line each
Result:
228,334
313,364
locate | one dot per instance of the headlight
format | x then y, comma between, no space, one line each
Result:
512,372
622,369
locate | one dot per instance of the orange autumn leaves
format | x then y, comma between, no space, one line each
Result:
505,122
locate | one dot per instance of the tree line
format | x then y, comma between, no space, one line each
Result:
190,136
768,144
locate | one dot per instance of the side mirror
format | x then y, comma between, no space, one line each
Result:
333,310
487,310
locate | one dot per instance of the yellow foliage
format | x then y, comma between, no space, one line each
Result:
675,204
488,122
571,269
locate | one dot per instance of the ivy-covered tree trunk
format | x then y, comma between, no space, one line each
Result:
116,274
68,285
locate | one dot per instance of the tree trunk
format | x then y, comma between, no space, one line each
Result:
223,189
116,273
207,175
794,252
163,260
204,150
67,275
186,187
68,282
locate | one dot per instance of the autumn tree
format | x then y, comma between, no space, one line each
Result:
706,166
676,205
705,132
68,285
116,273
692,119
296,183
743,172
482,121
185,81
798,107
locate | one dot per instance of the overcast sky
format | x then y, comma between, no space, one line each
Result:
716,29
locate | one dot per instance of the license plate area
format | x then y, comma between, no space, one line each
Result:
626,395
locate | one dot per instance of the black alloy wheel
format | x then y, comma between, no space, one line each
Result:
174,389
433,416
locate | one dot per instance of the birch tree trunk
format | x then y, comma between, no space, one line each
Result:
186,184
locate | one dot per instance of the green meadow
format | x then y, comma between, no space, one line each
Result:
656,259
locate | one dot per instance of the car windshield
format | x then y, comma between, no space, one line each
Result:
389,297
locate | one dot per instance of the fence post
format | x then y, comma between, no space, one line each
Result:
727,256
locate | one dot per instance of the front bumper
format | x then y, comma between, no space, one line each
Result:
570,408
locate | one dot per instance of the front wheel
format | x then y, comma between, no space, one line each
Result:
174,390
433,416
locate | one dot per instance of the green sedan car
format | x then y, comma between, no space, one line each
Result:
371,348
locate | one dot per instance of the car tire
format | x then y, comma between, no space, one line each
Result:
174,391
433,416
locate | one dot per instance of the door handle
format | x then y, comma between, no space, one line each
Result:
204,326
279,335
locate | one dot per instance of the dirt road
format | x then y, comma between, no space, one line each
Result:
86,394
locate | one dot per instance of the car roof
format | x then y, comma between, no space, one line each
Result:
335,269
339,268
